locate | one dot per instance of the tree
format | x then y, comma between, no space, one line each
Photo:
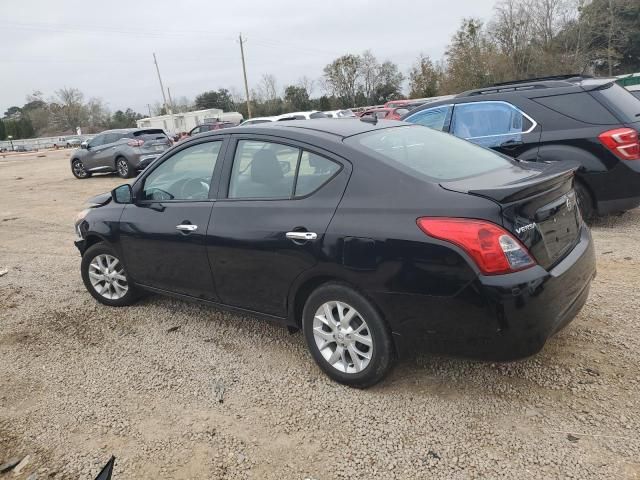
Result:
424,78
12,112
342,78
3,132
470,58
215,99
388,83
126,119
297,98
267,91
71,112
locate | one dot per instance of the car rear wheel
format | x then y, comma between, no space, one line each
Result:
78,170
123,168
347,337
585,201
105,278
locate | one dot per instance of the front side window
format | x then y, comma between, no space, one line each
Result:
489,124
437,117
186,175
97,141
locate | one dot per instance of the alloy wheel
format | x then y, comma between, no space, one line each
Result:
78,169
342,337
123,167
107,277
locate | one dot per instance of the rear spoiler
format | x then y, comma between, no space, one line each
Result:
551,176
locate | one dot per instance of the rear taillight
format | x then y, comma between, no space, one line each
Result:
493,249
135,143
622,142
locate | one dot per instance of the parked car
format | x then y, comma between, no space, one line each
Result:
347,113
592,121
411,103
311,115
67,142
124,151
374,239
385,113
209,126
257,120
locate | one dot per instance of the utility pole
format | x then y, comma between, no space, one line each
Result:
164,98
244,71
170,100
149,107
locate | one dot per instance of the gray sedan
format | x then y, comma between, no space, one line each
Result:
124,151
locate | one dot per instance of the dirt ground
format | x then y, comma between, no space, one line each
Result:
80,381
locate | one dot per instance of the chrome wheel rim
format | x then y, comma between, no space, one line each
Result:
107,277
342,337
78,169
123,168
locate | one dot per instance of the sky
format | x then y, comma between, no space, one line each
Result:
105,49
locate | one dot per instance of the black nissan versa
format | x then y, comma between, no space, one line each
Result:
592,121
373,238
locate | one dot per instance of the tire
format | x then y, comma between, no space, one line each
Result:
325,337
77,168
118,290
585,201
123,169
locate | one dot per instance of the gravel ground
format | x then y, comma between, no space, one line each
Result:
80,381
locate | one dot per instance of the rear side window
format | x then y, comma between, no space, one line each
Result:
437,118
489,123
314,171
579,106
270,170
426,152
317,115
620,100
113,137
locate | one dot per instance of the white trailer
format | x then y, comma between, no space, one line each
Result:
183,122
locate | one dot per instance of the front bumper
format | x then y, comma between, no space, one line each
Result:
502,317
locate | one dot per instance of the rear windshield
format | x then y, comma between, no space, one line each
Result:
424,151
149,133
624,105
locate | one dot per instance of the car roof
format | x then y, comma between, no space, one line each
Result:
342,128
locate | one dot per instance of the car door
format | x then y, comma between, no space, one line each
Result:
498,125
163,232
94,148
280,198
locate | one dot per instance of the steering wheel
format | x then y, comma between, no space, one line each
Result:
194,188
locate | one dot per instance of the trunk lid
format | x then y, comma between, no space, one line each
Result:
538,205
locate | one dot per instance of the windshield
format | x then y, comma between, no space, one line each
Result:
425,151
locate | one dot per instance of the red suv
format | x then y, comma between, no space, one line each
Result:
385,113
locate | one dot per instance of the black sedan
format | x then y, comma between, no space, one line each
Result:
373,238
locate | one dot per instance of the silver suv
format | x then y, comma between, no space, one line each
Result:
125,152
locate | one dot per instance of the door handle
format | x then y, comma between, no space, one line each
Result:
186,227
301,236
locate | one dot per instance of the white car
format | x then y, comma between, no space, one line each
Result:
310,115
257,120
340,114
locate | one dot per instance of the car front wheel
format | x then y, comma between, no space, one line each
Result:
347,337
78,170
105,278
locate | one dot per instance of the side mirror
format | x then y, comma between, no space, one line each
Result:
122,194
84,145
285,166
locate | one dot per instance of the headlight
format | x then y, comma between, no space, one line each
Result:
78,222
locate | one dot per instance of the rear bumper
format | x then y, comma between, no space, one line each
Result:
605,207
504,317
615,190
